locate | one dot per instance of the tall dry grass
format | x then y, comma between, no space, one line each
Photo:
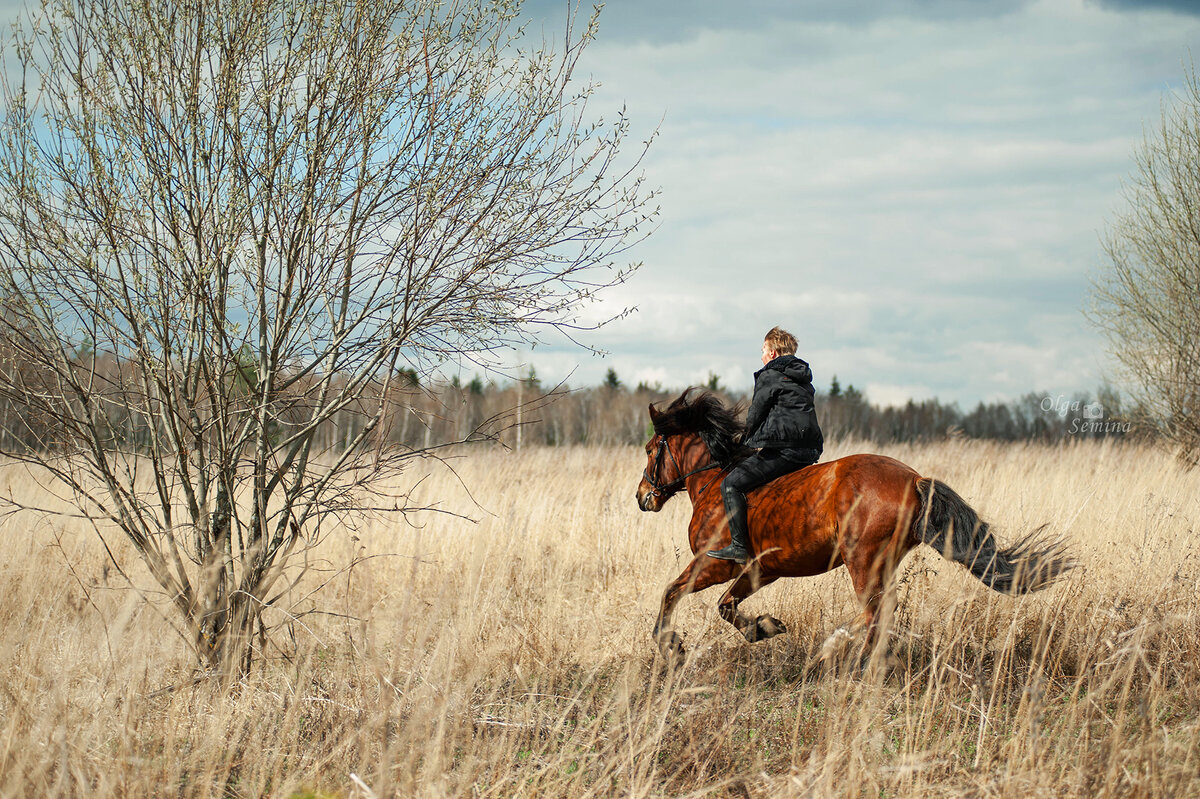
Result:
512,656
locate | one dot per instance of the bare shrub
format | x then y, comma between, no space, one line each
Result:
226,226
1146,302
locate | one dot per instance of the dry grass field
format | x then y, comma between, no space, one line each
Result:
512,656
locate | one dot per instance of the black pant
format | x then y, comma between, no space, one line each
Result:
758,470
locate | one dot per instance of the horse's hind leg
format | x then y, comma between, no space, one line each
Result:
860,633
876,590
752,629
701,573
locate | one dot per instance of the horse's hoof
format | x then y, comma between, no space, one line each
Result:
836,643
671,647
764,627
769,627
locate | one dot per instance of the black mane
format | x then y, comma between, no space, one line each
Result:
718,426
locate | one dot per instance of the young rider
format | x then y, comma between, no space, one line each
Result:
782,425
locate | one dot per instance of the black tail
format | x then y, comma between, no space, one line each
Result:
948,524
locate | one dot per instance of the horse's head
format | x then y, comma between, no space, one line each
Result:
692,435
660,478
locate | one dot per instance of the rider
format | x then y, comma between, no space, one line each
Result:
782,425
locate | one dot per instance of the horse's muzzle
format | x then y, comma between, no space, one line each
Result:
646,501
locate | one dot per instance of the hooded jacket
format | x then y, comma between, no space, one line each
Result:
782,413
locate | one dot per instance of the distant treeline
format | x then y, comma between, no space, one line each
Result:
527,412
613,413
1033,417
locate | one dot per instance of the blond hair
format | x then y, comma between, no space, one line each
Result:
783,342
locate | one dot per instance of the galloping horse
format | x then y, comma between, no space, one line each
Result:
863,511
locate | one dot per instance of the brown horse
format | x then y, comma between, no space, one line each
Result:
863,511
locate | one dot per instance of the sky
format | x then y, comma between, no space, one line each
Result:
917,189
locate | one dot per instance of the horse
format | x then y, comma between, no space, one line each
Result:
864,512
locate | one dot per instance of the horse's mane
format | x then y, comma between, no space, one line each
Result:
718,425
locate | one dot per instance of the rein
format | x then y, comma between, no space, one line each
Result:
656,488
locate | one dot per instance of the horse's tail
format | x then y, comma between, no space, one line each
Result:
948,524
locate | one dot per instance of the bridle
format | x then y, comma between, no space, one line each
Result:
664,489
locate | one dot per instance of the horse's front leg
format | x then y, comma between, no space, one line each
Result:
701,573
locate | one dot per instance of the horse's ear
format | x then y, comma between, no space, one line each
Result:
654,414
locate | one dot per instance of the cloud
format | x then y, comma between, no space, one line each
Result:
1179,6
919,198
916,189
657,21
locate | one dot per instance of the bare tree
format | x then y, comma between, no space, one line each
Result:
1148,301
226,224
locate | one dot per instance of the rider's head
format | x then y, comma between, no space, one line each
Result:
780,342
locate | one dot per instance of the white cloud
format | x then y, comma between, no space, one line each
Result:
918,197
892,395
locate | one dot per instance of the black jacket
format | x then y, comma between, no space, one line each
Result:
782,414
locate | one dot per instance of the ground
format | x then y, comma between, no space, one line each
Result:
511,656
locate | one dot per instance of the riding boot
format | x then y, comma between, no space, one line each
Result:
739,547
